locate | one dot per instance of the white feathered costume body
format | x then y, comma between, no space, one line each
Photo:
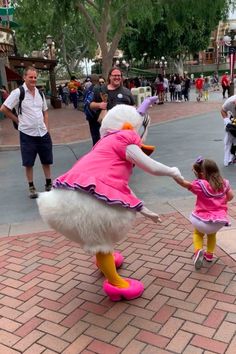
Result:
92,203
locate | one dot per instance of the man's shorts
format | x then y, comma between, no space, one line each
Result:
33,145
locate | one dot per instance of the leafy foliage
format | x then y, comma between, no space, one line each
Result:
78,25
68,28
157,27
183,27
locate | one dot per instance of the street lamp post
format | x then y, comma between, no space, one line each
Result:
230,42
127,70
55,102
163,64
125,64
156,66
49,42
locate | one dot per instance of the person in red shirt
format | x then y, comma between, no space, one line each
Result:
199,87
225,84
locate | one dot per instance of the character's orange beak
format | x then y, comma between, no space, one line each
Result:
147,149
127,126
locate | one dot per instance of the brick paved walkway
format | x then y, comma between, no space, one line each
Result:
68,125
51,298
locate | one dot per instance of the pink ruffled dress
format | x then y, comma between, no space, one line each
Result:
210,206
104,172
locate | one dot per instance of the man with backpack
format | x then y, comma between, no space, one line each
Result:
32,121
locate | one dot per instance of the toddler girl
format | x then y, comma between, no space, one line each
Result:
210,212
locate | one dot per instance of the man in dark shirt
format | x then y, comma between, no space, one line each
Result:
116,93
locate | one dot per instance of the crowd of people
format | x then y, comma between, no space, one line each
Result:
168,88
98,96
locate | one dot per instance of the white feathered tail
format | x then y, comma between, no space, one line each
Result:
82,218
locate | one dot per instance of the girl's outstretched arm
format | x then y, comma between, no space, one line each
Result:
230,195
183,183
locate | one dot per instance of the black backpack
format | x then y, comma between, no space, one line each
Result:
21,97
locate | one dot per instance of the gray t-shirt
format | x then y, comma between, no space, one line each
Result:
121,95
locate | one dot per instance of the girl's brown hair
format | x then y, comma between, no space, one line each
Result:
212,174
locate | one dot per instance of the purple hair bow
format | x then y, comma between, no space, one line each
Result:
199,160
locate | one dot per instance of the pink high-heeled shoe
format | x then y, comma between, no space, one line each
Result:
135,290
118,259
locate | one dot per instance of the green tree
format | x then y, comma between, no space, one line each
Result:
78,23
38,18
184,28
108,20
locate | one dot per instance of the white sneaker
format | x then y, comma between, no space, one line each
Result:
198,259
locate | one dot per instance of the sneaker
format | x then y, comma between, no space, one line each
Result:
208,256
33,193
198,259
48,187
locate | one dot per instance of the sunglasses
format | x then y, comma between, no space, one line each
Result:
101,82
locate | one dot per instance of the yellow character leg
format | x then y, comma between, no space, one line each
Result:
107,266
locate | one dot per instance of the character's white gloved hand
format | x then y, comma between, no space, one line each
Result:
135,155
226,121
150,214
176,173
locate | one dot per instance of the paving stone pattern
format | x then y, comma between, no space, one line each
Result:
51,297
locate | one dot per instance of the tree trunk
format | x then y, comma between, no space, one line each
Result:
107,61
179,66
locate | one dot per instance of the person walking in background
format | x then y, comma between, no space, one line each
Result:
33,126
101,81
87,83
228,111
60,92
166,88
66,94
160,89
225,84
178,88
4,93
199,87
186,87
215,82
210,212
206,87
73,86
172,88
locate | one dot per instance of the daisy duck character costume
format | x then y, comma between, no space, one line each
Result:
92,203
